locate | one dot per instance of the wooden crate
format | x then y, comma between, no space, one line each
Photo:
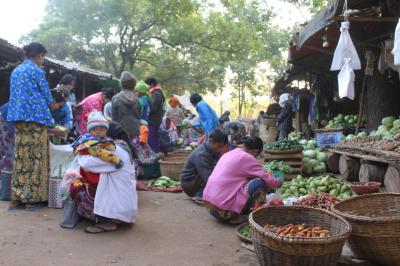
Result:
295,160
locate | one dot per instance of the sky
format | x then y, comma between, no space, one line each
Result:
19,17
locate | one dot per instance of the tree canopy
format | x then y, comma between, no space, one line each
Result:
187,44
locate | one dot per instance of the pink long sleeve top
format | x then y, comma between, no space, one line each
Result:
225,187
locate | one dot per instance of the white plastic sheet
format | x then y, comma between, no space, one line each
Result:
396,48
345,49
61,158
346,80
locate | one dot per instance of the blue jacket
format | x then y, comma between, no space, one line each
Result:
208,119
30,95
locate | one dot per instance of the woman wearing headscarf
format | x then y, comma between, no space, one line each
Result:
175,113
126,106
285,117
29,110
142,91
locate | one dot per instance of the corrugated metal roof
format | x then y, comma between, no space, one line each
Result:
75,67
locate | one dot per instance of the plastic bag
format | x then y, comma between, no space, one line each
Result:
274,199
396,48
345,49
70,176
346,80
70,216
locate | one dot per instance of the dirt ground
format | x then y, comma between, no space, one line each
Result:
170,230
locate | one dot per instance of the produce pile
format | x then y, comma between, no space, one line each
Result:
388,129
342,121
298,230
284,145
322,201
314,186
245,231
314,159
277,165
295,135
163,182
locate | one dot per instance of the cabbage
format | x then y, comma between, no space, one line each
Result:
307,169
382,128
362,134
350,136
321,156
319,169
310,154
388,121
395,130
396,123
313,162
373,133
303,142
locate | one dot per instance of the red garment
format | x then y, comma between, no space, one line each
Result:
154,89
88,177
89,104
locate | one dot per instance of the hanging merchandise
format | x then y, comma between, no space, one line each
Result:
345,49
396,48
346,80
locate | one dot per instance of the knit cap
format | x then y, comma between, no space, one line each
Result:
96,119
142,87
126,76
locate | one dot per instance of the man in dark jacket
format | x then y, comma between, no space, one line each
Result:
201,163
126,106
157,111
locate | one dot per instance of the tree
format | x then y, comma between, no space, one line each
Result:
185,43
314,6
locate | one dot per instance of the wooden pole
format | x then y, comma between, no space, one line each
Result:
361,104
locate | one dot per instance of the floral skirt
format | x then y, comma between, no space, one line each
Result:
30,179
256,192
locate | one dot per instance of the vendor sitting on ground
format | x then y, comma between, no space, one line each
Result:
200,164
238,183
236,131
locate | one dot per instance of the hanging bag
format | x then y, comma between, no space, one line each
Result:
346,80
345,49
70,216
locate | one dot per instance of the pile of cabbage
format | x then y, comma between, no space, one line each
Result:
388,129
313,158
341,121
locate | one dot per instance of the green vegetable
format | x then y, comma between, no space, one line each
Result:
388,121
283,145
321,156
245,231
276,165
309,154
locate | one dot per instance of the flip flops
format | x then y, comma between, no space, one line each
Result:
101,227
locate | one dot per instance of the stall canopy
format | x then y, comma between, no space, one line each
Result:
372,21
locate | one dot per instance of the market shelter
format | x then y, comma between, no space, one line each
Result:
89,81
372,26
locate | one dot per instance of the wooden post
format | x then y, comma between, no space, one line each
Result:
371,172
392,179
83,88
349,168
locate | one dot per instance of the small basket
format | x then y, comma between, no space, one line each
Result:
242,237
361,188
375,220
5,192
172,168
272,249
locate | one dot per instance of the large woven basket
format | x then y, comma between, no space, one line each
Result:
172,167
272,249
375,219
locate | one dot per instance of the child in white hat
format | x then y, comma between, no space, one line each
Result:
96,142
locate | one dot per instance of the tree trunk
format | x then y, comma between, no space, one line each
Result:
392,179
349,168
333,162
370,172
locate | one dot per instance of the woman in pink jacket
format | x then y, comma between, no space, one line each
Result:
238,183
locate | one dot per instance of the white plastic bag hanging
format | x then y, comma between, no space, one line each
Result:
396,48
345,49
346,80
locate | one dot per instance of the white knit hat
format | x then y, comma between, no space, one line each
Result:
96,119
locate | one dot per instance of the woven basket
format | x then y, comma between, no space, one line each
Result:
272,249
375,219
172,168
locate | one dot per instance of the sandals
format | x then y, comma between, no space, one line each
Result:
34,207
198,200
101,227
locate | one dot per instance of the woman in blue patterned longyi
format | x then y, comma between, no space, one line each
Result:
29,110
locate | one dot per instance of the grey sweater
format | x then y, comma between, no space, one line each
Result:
126,112
200,162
